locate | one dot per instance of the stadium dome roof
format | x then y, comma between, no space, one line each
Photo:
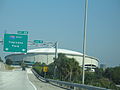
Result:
52,50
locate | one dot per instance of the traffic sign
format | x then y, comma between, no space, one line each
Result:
45,69
38,41
15,43
22,32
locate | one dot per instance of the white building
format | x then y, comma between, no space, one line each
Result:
46,55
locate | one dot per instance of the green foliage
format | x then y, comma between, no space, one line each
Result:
90,77
50,71
39,70
38,67
99,73
113,74
97,79
68,69
104,82
8,67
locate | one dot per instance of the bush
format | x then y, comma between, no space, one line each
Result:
39,70
113,74
104,82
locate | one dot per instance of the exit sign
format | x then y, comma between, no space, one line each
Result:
38,41
22,32
15,43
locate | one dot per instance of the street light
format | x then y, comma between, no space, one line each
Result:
56,56
84,41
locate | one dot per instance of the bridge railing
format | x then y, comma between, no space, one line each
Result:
68,85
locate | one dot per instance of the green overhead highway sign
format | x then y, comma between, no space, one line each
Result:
15,43
38,41
22,32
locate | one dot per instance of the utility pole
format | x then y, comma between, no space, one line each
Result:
56,56
84,41
56,47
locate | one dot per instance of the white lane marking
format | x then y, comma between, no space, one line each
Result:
31,82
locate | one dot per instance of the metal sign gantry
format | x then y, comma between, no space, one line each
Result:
42,45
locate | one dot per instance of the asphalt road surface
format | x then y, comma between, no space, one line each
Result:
15,80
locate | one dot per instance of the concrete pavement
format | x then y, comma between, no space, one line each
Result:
39,84
23,80
15,80
42,85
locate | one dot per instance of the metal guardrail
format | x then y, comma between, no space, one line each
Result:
73,86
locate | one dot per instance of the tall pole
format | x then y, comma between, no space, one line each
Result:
84,41
56,56
56,46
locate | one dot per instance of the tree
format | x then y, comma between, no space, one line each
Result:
113,74
98,79
116,75
99,73
9,61
50,73
68,68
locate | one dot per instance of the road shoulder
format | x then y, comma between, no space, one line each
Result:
42,85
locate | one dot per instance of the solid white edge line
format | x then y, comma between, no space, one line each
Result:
31,82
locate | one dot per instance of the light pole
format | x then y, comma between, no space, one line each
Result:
84,41
56,56
56,47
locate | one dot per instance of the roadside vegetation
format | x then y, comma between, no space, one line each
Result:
68,69
8,67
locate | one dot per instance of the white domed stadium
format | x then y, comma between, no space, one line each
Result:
46,55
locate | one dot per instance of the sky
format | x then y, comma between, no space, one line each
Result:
63,21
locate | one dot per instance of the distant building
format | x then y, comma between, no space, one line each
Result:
46,55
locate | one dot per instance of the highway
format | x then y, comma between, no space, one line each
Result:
23,80
42,85
15,80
